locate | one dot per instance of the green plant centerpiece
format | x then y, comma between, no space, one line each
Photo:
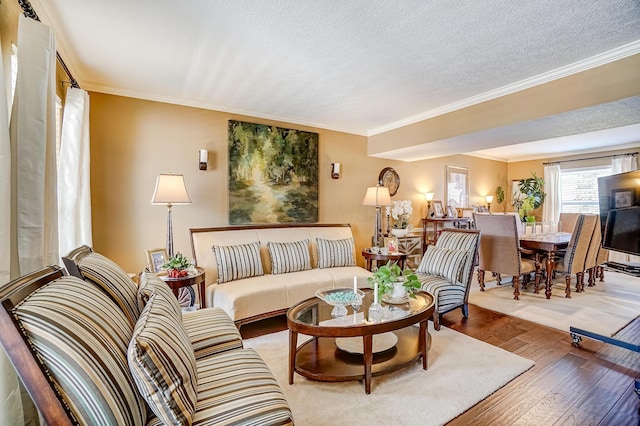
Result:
390,276
177,266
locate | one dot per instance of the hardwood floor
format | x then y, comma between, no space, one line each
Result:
589,385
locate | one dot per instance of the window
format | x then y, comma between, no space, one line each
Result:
580,189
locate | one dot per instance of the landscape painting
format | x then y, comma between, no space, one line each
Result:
273,174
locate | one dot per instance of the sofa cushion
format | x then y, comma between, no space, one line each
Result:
162,362
238,261
443,262
150,283
335,253
289,257
81,336
114,281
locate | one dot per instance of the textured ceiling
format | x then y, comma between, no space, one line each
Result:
357,66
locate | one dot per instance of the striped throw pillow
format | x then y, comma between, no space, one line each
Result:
113,280
150,283
289,257
442,262
333,253
163,364
81,338
237,262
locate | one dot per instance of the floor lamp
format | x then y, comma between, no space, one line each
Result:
377,196
170,190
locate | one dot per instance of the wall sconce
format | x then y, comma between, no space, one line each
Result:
429,197
335,170
203,157
489,200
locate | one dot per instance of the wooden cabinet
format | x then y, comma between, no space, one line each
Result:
412,246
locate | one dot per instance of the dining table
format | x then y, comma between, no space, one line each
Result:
547,245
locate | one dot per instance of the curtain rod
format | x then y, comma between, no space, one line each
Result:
30,13
630,154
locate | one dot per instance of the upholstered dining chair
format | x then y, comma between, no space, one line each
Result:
591,261
500,251
446,271
568,222
574,259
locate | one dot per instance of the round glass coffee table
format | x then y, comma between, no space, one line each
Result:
325,358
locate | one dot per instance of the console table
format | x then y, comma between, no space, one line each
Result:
436,221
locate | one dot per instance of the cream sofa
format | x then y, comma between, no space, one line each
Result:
268,294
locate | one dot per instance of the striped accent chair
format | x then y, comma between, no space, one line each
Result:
446,271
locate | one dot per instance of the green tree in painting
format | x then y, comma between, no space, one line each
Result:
273,174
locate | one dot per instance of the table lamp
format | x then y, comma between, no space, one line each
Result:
429,197
377,196
489,200
170,190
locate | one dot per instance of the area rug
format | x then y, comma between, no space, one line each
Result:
603,309
462,371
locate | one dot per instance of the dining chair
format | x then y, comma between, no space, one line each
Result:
568,222
573,261
500,251
591,261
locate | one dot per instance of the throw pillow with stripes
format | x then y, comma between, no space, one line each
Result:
442,262
162,362
334,253
150,283
289,257
237,262
81,337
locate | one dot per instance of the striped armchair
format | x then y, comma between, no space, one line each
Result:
446,270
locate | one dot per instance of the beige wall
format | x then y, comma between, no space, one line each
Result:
133,140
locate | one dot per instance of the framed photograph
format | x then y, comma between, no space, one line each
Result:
156,258
438,209
515,191
621,198
451,212
391,243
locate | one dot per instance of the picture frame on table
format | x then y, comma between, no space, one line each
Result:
391,243
621,198
438,209
156,258
451,212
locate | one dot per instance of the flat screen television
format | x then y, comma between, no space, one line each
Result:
619,199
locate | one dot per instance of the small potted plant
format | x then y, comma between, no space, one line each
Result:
394,282
177,266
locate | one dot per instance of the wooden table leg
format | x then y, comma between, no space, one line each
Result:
550,267
203,303
367,341
293,346
422,344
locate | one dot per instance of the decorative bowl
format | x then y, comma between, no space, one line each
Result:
339,298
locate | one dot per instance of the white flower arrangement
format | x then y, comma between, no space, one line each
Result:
400,212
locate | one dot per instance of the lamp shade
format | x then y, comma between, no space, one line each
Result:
170,189
428,196
488,198
377,196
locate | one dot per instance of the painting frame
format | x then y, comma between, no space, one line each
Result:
273,174
391,243
438,210
156,258
621,198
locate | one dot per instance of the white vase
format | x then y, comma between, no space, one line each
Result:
399,232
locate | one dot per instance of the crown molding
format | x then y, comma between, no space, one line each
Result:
558,73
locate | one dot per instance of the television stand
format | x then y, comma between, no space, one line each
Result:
631,268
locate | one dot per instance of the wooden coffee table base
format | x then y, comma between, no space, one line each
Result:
320,359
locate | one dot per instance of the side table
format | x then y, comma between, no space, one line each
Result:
177,283
370,257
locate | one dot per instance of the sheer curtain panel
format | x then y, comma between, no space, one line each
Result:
74,195
553,199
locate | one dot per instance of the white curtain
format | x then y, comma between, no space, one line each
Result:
32,205
74,195
623,164
10,399
553,200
